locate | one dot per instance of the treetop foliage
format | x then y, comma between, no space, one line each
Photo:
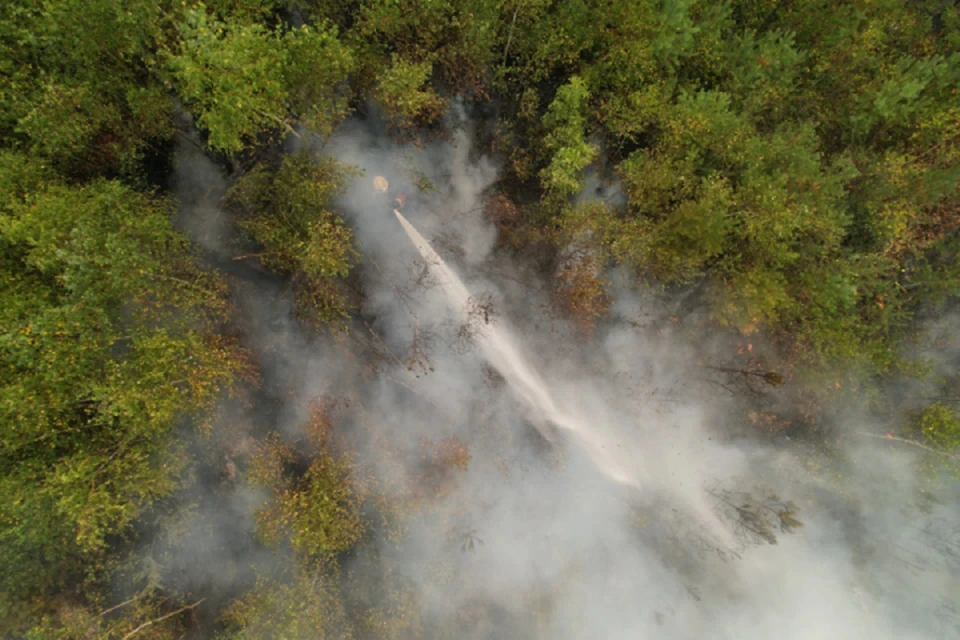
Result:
111,337
794,164
244,79
287,210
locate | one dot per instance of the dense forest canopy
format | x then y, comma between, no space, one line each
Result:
781,174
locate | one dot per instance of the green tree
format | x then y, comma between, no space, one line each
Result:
318,511
566,143
288,212
454,37
308,606
939,426
403,89
110,340
146,615
80,86
245,79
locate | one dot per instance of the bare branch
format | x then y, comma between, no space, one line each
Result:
281,122
162,618
122,604
247,256
193,285
379,340
912,443
513,23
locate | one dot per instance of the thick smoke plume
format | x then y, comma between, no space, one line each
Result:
625,511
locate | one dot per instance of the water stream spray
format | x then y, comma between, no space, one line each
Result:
501,351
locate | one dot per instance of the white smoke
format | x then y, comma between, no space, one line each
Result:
620,528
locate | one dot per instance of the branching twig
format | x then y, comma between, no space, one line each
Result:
162,618
122,604
280,121
375,370
772,378
376,336
503,274
513,23
254,255
733,392
741,512
912,443
192,285
401,295
412,390
191,141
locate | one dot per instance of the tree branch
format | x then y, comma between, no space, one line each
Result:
247,256
162,618
122,604
192,285
513,23
281,122
912,443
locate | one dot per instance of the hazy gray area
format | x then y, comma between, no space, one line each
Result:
620,507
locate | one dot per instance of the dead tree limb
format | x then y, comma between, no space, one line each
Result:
162,618
513,23
283,123
912,443
122,604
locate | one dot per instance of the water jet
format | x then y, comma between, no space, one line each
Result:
502,352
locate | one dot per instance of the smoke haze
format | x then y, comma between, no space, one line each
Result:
536,534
